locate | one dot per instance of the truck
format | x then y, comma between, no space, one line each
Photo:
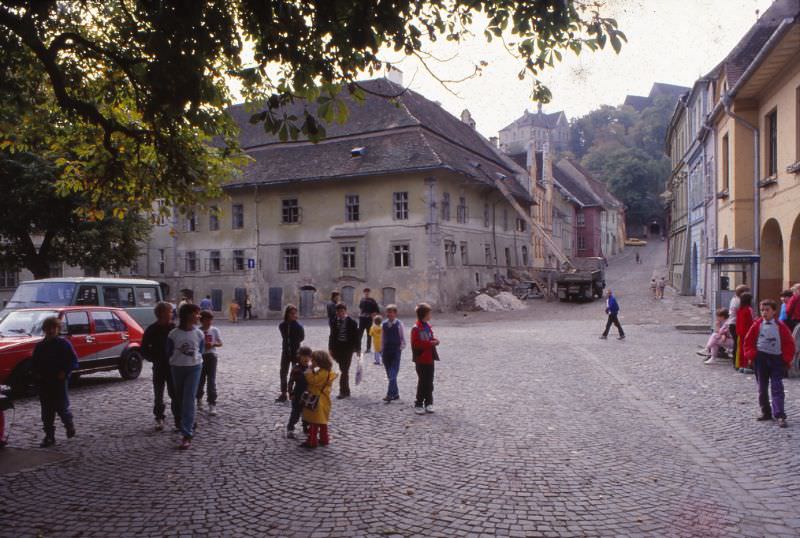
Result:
585,282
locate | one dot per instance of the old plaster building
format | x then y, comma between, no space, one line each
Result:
401,198
551,129
735,145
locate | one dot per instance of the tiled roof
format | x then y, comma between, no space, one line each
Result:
574,183
745,51
410,134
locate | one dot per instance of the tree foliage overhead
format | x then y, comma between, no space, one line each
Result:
40,227
142,86
625,147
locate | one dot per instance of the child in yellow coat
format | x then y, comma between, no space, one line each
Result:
320,379
376,333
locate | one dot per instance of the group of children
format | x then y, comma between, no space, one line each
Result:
763,346
311,378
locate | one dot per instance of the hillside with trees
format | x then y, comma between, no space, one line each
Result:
625,148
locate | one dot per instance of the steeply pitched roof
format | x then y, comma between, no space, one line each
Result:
572,181
410,134
537,119
640,102
580,183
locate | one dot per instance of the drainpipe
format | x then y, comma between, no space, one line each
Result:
726,103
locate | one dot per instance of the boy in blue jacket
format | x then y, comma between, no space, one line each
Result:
53,360
612,309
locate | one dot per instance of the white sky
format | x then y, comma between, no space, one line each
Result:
672,41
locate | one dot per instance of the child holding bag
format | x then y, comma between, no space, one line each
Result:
320,379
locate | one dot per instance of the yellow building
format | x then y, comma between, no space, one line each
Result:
757,126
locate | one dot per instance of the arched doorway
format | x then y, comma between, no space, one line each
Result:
794,253
307,301
770,282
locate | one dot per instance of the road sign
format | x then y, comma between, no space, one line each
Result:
251,263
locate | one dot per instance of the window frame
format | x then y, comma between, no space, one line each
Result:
190,259
238,258
400,205
286,256
213,218
289,212
461,210
352,208
214,261
771,143
397,251
348,261
445,207
237,216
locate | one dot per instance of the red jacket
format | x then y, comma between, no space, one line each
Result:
744,320
421,346
787,342
793,307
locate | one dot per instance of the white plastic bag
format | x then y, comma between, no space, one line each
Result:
360,370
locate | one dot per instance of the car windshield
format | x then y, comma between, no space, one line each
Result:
25,322
30,294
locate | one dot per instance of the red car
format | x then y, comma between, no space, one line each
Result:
103,338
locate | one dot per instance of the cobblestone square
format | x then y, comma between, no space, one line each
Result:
541,429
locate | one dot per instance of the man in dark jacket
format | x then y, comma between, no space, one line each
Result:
344,340
331,307
154,349
369,309
53,360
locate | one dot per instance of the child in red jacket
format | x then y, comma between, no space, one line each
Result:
744,320
423,349
769,347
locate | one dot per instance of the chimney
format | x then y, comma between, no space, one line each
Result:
466,117
494,141
394,75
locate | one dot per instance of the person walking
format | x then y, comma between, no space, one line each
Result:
185,347
292,335
612,309
393,342
205,303
423,348
654,287
154,349
769,348
233,311
368,308
52,362
248,308
208,374
662,284
344,340
330,308
638,259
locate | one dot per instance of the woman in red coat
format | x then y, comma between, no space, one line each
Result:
744,320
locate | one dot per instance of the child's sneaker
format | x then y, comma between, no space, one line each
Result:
199,403
290,434
419,410
429,409
603,337
710,360
782,423
70,431
212,410
48,440
621,337
159,424
186,443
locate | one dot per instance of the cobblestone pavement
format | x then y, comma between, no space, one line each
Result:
541,429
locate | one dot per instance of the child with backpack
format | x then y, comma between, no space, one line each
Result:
320,378
297,386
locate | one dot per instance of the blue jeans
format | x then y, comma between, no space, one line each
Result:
391,361
186,379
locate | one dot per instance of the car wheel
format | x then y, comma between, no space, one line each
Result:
130,364
21,380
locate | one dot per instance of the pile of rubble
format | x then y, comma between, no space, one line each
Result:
493,298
